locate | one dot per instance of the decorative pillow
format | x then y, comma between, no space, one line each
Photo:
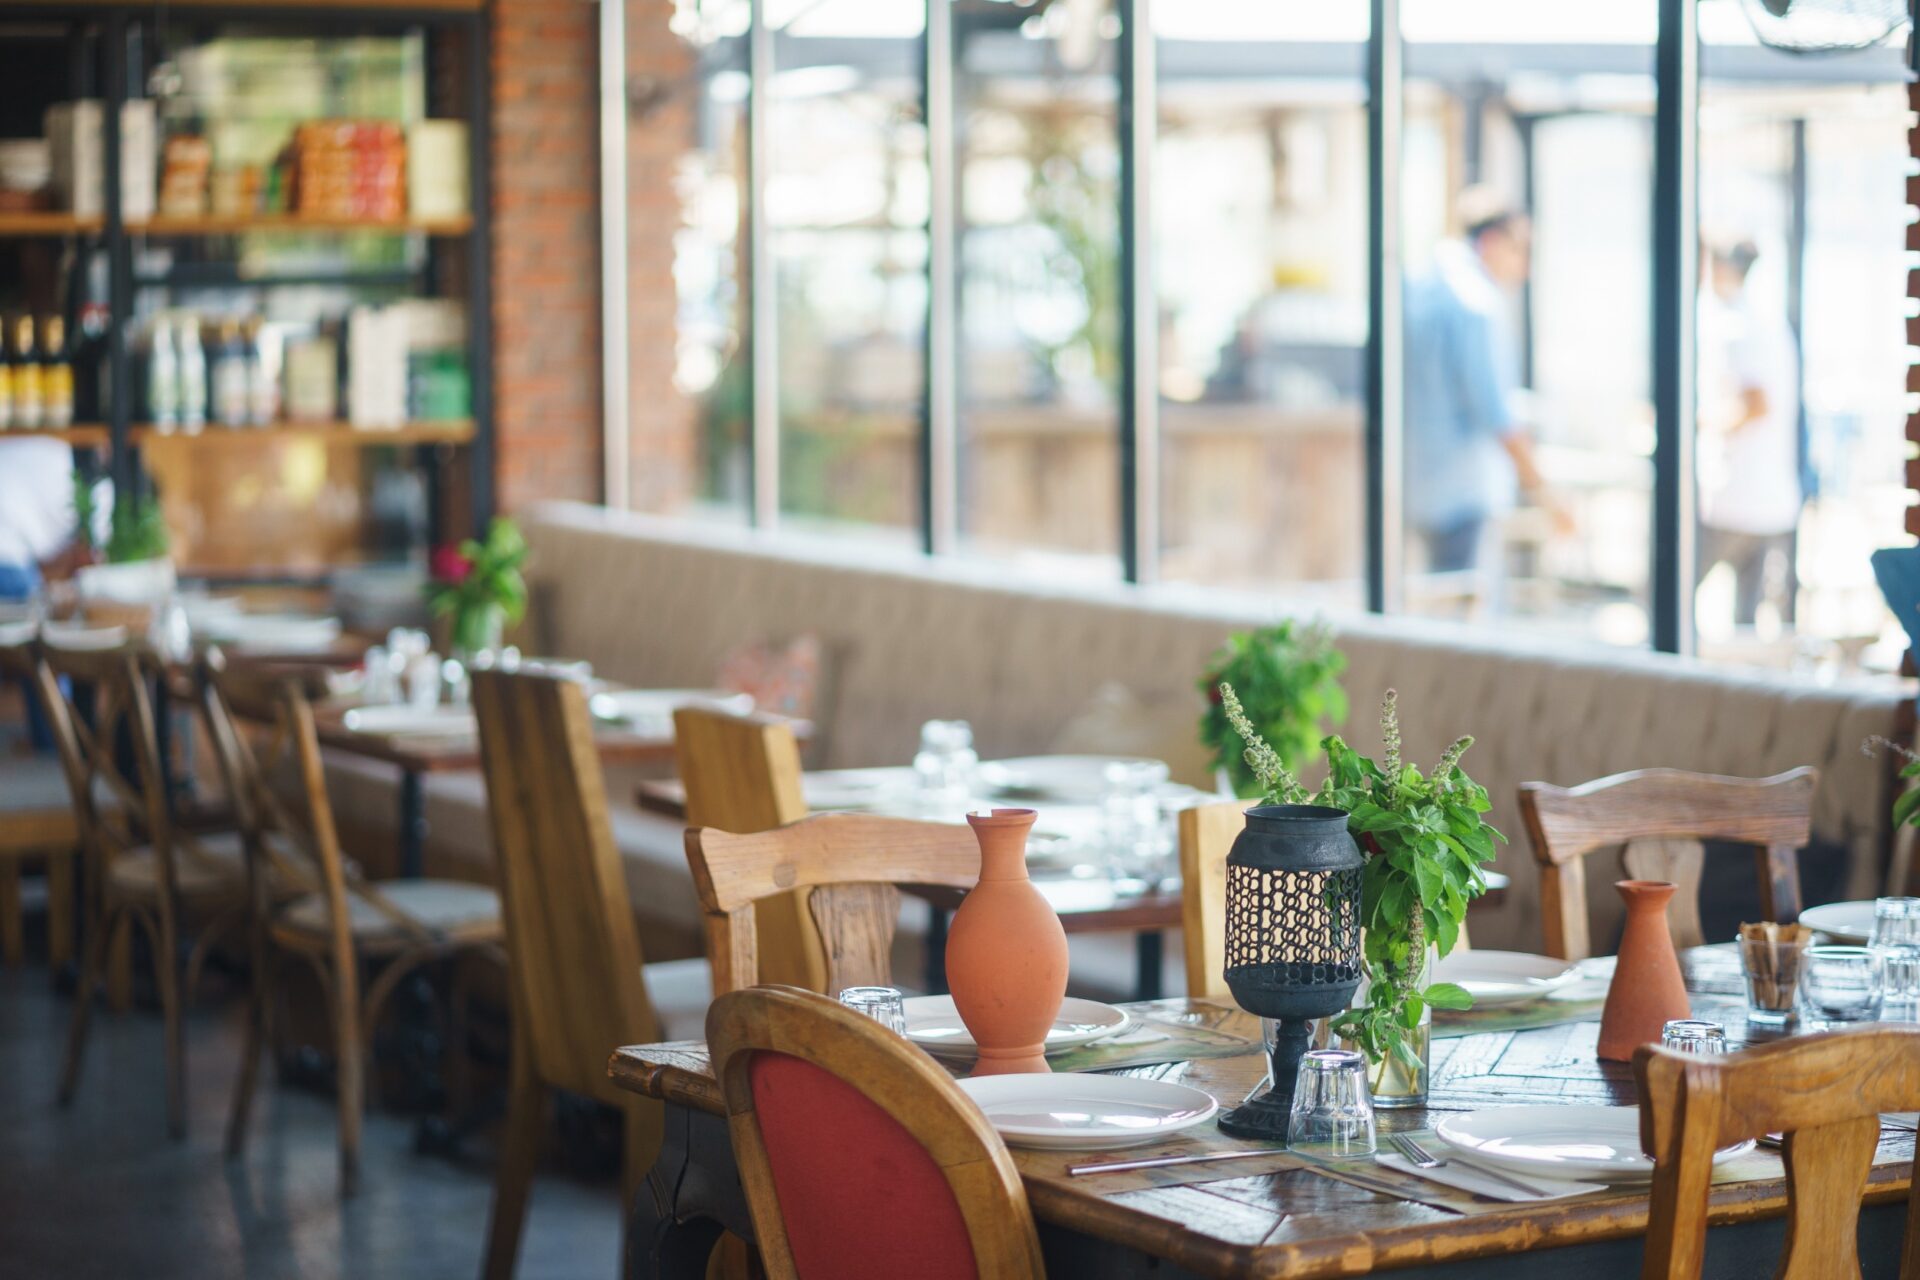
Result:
782,678
1118,722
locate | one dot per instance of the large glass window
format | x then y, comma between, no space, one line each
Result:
1528,427
1261,260
1038,181
847,216
1800,356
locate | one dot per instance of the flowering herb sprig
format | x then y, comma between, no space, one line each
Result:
1906,805
1426,844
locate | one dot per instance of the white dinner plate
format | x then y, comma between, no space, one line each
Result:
1580,1142
658,705
934,1024
279,633
1850,922
1077,1111
63,635
398,719
854,789
1079,779
1503,977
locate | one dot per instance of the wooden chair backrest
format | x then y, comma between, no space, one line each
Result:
742,774
1661,816
843,866
573,954
1207,833
907,1085
1825,1092
117,809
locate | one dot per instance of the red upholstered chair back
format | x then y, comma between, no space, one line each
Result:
859,1155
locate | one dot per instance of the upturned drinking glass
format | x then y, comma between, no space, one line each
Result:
1693,1035
1896,936
1332,1111
885,1005
1843,985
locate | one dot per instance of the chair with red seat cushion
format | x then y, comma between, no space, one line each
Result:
859,1155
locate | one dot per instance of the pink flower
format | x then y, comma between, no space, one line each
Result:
446,564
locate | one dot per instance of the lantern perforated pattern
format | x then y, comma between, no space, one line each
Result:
1293,931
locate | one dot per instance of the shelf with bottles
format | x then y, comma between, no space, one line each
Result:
454,431
81,435
47,223
449,227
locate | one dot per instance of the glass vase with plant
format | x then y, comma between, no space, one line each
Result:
480,587
1426,843
1287,678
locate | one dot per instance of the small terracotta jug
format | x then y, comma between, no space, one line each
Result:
1006,952
1647,990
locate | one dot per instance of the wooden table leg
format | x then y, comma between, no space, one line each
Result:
13,923
690,1196
936,950
1150,964
413,826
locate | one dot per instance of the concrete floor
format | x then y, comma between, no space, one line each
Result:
100,1190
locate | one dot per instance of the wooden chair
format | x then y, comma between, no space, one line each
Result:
742,774
577,989
333,919
1207,833
1661,816
37,822
142,870
1825,1092
844,866
858,1154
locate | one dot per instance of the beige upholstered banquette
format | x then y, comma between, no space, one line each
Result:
659,602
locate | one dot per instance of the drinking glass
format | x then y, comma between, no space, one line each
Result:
1843,984
1691,1035
945,763
885,1005
1139,838
1332,1110
1772,970
1896,936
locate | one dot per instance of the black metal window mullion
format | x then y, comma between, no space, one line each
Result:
1675,266
1384,544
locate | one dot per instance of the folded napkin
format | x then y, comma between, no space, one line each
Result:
1464,1177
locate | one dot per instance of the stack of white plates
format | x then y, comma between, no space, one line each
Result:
1849,922
1080,1112
651,710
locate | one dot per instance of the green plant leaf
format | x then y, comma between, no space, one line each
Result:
1448,995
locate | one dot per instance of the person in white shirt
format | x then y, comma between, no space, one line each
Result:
36,529
1748,434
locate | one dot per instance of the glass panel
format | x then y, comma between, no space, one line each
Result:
847,208
1801,355
1039,249
1529,432
1262,258
689,452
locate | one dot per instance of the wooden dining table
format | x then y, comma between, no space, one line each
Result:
1277,1214
1084,904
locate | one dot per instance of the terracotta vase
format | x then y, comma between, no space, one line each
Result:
1006,952
1647,990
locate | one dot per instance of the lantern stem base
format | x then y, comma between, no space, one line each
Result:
1267,1116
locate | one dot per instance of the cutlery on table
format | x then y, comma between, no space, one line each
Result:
1422,1158
1161,1162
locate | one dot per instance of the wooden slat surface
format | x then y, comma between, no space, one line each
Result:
1299,1223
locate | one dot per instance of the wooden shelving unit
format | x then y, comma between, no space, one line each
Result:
295,222
213,436
14,226
81,435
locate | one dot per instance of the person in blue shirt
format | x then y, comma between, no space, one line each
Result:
1467,454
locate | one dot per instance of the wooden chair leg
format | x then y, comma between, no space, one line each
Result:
60,909
519,1149
349,1073
120,966
166,971
93,961
13,922
259,1000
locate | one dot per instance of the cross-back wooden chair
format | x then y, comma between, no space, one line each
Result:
333,919
37,821
1207,833
858,1153
844,866
742,774
142,869
1661,816
576,983
1825,1092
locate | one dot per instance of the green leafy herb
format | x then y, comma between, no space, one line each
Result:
1288,680
491,584
137,531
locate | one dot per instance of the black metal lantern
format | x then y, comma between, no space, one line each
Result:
1293,939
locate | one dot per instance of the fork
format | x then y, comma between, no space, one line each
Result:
1425,1159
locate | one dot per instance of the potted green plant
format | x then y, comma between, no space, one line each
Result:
1426,843
480,588
1287,677
136,531
86,514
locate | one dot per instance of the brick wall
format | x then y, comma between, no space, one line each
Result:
546,255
